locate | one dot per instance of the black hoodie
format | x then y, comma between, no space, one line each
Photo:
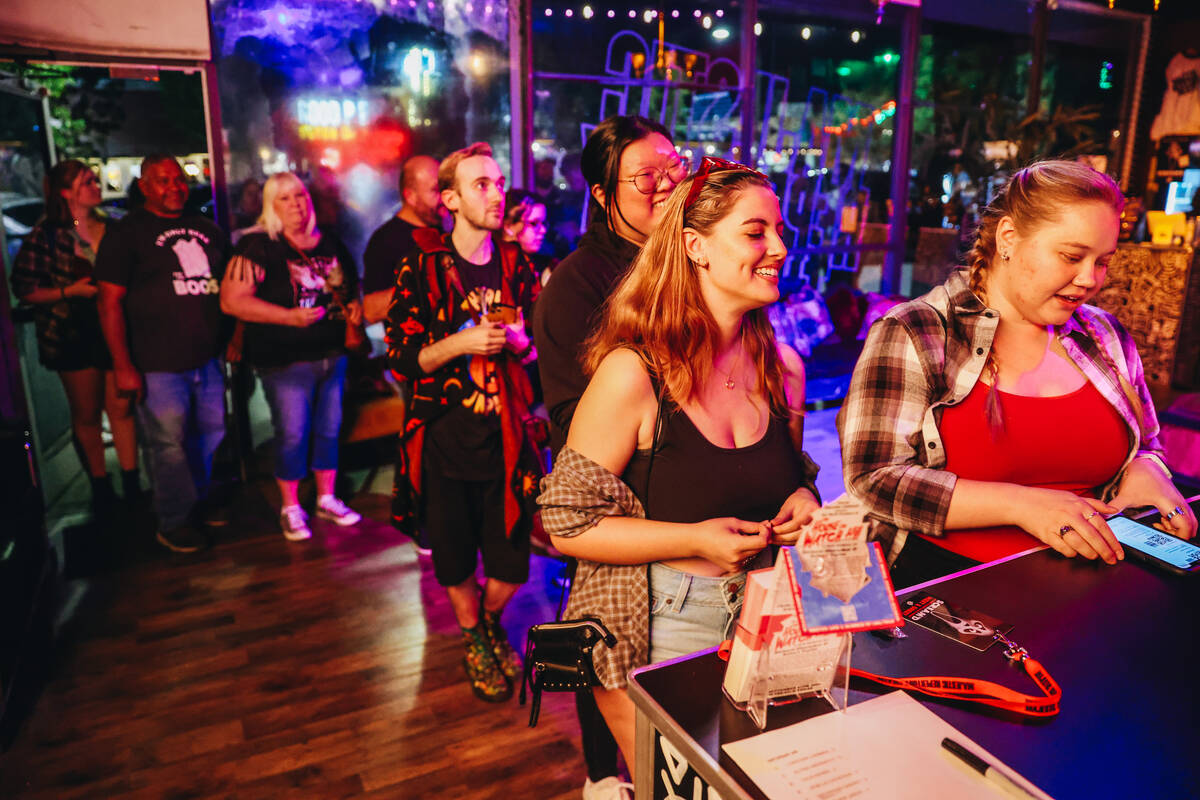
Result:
566,313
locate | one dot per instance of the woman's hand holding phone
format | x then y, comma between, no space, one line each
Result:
1145,484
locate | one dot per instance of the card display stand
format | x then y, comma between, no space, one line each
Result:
785,664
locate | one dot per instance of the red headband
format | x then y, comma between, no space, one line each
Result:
708,166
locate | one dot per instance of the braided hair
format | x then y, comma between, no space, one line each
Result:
1034,196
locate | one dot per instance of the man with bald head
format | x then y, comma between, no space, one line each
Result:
394,239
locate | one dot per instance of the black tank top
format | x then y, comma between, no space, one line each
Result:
692,479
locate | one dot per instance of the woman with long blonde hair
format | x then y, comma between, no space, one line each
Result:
1000,411
697,409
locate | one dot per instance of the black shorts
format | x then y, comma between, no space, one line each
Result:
464,518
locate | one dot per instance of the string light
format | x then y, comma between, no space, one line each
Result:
611,13
758,29
855,36
875,117
587,12
706,22
805,32
568,13
675,14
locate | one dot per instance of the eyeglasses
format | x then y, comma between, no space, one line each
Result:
708,166
648,180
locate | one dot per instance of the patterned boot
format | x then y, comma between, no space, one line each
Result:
487,681
502,649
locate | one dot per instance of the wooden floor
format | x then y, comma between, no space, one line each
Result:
265,669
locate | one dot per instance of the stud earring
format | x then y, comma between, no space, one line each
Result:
1004,255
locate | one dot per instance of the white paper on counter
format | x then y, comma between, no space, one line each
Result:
886,747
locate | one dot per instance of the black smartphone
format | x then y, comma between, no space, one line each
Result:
1155,547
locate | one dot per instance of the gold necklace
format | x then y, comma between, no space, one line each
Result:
729,384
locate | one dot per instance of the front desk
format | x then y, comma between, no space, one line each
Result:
1121,641
1154,290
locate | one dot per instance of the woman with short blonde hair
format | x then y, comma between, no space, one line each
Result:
296,289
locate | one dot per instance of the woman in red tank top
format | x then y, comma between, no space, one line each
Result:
999,412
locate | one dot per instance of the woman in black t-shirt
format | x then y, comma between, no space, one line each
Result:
297,290
53,273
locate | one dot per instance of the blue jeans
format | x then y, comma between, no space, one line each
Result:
306,409
181,421
691,612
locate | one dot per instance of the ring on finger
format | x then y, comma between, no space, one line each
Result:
1064,530
1089,516
1175,512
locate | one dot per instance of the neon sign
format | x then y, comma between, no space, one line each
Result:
420,64
327,119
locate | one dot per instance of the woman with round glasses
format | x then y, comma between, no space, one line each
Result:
630,167
670,502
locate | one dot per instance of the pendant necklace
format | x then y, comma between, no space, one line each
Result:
729,384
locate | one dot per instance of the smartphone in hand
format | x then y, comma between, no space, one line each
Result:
1155,547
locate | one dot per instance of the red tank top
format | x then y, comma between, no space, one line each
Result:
1075,442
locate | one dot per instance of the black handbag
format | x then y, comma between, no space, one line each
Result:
558,658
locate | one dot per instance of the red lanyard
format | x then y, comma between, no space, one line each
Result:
986,692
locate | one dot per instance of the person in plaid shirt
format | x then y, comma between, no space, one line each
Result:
999,411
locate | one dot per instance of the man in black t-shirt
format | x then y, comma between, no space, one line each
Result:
159,274
456,332
394,239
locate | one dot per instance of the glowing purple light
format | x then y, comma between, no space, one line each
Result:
720,12
632,14
675,14
568,13
611,13
696,13
549,12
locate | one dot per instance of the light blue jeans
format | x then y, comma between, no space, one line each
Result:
306,413
181,422
691,612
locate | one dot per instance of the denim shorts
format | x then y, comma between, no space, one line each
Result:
691,612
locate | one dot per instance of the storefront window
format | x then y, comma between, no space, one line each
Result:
342,92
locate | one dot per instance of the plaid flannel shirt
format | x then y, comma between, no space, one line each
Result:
926,355
575,497
46,260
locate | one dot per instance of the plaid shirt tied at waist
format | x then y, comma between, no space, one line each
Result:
575,497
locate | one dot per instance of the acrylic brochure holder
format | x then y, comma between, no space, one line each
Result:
793,640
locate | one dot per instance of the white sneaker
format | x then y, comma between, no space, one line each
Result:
331,508
610,788
294,523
